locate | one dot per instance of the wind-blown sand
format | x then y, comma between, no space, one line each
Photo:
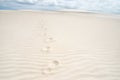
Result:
59,46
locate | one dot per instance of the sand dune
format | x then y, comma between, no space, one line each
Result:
59,46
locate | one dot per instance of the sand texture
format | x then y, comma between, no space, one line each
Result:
59,46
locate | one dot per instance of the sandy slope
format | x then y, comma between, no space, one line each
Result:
59,46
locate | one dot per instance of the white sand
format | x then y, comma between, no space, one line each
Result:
59,46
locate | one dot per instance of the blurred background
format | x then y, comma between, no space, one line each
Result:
97,6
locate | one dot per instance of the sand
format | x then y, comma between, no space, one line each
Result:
48,45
